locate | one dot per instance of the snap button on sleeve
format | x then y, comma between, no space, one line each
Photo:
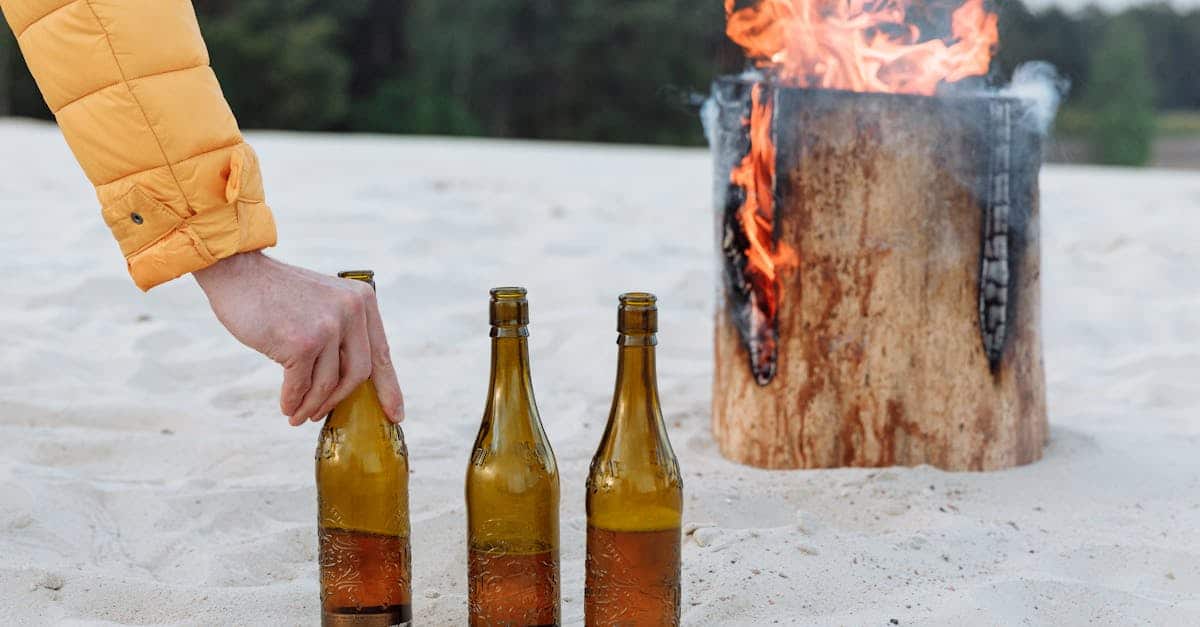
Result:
136,217
233,186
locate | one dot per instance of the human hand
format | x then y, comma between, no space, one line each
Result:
325,331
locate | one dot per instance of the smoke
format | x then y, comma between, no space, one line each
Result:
708,119
1038,83
710,109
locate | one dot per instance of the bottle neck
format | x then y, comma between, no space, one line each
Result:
510,391
636,371
635,402
362,403
510,363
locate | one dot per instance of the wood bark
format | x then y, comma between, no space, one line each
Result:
909,330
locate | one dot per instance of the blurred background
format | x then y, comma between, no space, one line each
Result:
634,70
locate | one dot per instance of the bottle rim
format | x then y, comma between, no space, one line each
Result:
638,299
508,293
366,276
637,315
508,307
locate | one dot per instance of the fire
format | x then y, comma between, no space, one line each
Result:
765,257
854,45
860,45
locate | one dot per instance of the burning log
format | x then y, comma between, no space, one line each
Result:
880,279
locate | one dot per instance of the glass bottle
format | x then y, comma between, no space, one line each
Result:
362,504
634,490
512,487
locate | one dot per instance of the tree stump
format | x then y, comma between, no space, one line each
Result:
902,235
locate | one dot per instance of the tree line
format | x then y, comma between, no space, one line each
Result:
612,70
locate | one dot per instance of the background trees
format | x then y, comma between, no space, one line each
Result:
596,70
1121,95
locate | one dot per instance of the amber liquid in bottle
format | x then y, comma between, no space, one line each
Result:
634,491
362,503
512,488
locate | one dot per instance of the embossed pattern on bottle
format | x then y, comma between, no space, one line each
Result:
632,577
364,553
513,589
365,575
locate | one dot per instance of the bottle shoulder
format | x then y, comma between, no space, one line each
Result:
512,437
608,471
636,438
513,457
349,440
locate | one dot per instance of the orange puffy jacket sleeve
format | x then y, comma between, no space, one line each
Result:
130,85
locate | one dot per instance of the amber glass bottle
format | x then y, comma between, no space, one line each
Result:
634,492
362,512
512,488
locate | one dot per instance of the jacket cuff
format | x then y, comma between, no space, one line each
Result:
159,244
187,248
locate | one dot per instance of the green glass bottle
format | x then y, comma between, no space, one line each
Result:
362,512
512,488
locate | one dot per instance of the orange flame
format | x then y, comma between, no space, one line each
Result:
756,176
854,45
765,256
861,45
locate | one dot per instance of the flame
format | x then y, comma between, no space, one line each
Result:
861,45
765,256
854,45
756,176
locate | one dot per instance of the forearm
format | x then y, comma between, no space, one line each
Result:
130,86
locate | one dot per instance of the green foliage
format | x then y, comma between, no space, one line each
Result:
1179,124
1121,96
1074,121
19,95
1079,122
1050,36
585,69
399,106
1172,46
279,61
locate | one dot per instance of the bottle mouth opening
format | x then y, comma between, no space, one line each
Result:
366,276
637,313
508,307
508,293
638,299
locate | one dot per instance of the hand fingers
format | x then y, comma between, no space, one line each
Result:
297,379
355,355
383,373
326,373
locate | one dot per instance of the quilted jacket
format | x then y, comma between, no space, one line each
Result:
130,85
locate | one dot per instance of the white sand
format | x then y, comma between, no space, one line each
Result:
146,477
